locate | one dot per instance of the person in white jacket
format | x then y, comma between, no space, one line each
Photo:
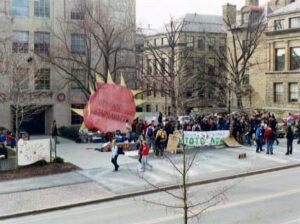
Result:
114,155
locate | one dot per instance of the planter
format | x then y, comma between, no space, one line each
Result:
8,164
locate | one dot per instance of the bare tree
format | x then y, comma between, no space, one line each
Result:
18,71
237,58
186,203
97,38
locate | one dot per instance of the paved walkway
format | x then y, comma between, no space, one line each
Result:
97,181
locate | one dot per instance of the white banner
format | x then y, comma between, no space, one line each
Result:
207,138
32,151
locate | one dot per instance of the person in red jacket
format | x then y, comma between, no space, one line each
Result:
145,154
269,137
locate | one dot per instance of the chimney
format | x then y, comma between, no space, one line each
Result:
229,14
252,2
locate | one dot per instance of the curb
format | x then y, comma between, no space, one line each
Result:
149,191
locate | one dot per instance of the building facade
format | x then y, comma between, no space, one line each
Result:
199,38
29,27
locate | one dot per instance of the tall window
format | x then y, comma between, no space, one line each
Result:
42,80
20,7
246,78
293,92
279,59
190,42
163,66
20,41
41,42
211,66
295,22
78,43
212,42
279,24
80,77
278,92
21,79
75,118
162,90
77,10
148,108
42,8
295,58
201,43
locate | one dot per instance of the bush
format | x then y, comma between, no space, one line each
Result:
69,132
58,160
40,163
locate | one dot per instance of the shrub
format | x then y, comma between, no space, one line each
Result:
40,163
58,160
69,132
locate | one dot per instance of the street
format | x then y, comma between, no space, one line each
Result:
266,198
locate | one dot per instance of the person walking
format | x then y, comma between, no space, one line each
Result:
290,139
54,131
150,136
145,155
161,139
114,155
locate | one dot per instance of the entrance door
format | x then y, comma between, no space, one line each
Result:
35,125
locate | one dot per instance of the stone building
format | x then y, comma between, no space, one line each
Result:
283,52
30,24
200,36
268,86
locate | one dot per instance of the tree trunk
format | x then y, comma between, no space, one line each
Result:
184,185
239,98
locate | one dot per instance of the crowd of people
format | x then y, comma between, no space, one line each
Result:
259,129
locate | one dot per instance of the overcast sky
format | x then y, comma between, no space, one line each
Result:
156,12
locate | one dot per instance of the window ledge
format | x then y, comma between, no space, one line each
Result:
283,72
285,31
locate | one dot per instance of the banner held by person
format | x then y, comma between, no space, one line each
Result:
32,151
209,138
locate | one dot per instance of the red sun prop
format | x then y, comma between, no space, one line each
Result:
109,108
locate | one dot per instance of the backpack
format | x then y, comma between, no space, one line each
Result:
272,135
150,132
163,135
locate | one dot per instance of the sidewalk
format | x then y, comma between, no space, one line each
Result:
100,183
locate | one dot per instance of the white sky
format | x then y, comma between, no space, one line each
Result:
156,12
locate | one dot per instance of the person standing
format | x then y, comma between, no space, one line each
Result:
161,139
114,155
150,136
259,138
3,150
290,139
54,131
145,155
269,139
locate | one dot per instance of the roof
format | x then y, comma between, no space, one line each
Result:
203,23
199,23
290,8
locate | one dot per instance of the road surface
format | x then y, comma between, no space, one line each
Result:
268,198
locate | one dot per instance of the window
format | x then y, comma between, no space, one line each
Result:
211,66
155,66
189,65
279,24
162,90
201,90
295,58
246,78
77,11
42,80
293,92
75,118
78,43
163,66
41,8
154,91
169,111
200,65
148,91
156,108
148,108
149,67
295,22
201,44
41,42
80,77
20,41
21,79
190,42
279,59
20,8
212,42
278,92
222,45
